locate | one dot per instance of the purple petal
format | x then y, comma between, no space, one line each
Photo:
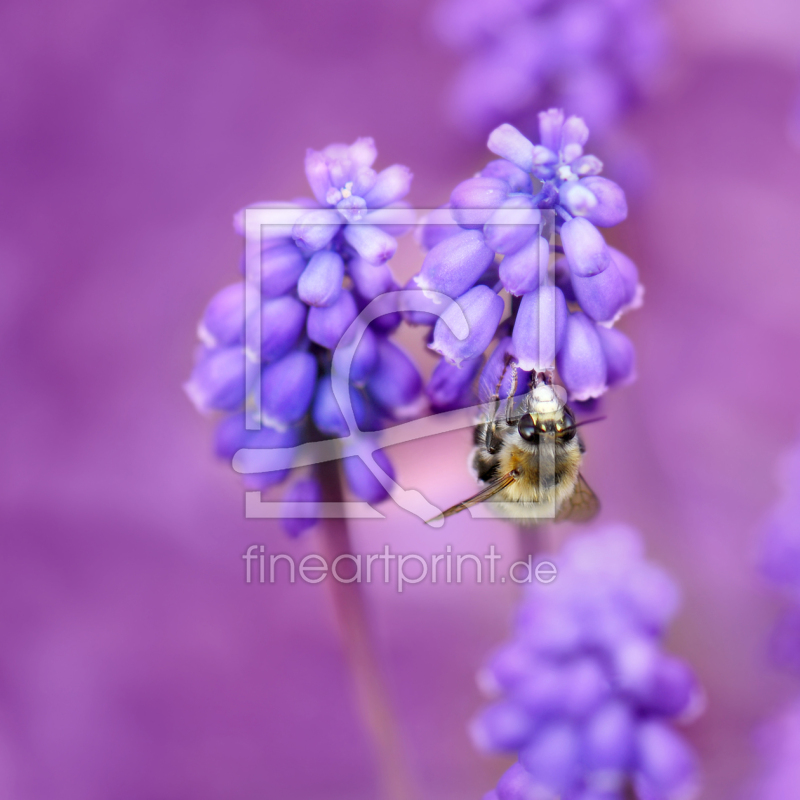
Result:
483,310
326,326
217,382
305,491
552,758
581,363
281,267
584,247
223,320
321,282
316,228
501,728
517,179
577,199
608,738
550,123
574,134
507,142
371,243
611,207
317,174
328,417
601,296
667,768
523,271
620,356
395,382
370,280
496,378
287,387
363,151
365,359
474,199
282,322
539,328
392,184
630,275
454,265
450,387
512,225
362,482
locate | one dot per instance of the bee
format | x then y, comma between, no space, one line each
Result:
528,457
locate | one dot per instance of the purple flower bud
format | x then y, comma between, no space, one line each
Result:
517,179
306,491
217,382
667,767
362,482
326,326
619,355
552,757
365,359
435,227
517,784
586,165
586,686
321,282
580,361
454,265
523,271
550,124
563,279
540,328
450,387
496,378
608,740
316,228
507,142
501,728
371,243
577,198
328,417
370,280
584,247
601,296
474,199
281,266
395,382
223,320
392,184
282,322
512,225
278,456
396,219
317,173
483,310
287,387
611,207
673,688
574,135
630,275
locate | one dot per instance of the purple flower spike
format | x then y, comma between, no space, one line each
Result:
581,363
474,199
395,383
371,243
540,328
326,326
287,387
306,491
667,768
611,207
282,322
362,482
392,184
223,321
523,271
483,310
512,225
601,296
316,228
584,247
508,143
321,282
454,265
370,280
450,387
281,267
217,382
496,379
620,356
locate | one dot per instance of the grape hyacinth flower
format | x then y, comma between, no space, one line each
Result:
317,272
529,223
586,693
598,58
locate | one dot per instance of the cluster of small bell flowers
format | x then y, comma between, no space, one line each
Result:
587,696
317,272
599,58
568,287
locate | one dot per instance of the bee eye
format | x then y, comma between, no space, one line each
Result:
527,429
567,431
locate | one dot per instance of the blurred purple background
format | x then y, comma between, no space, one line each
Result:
135,661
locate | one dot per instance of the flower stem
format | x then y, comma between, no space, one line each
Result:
357,640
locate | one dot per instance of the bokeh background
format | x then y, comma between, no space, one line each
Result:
134,661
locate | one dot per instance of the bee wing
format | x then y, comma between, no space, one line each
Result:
490,491
581,506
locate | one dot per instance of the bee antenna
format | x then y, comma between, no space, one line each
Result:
583,422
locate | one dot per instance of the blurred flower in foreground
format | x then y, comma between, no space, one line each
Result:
317,273
566,297
596,57
779,743
586,692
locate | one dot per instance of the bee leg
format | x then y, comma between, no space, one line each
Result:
511,394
